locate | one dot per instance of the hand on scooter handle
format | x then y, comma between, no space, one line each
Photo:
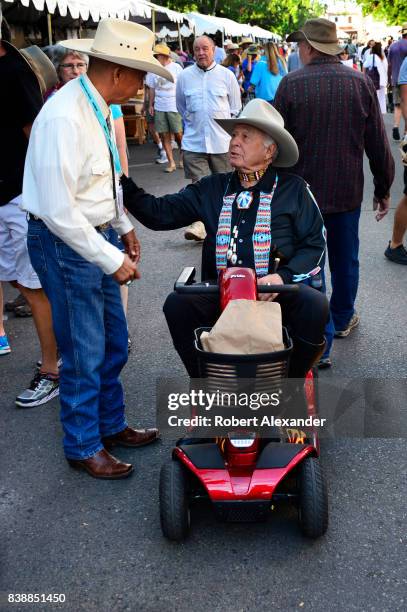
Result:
270,279
127,271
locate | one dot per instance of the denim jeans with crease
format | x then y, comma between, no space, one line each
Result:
91,333
343,256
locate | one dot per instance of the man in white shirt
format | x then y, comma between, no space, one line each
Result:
72,192
163,105
205,91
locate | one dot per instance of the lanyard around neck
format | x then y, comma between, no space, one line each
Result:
99,116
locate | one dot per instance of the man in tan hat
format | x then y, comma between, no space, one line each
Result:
395,57
244,45
163,104
333,114
73,196
21,75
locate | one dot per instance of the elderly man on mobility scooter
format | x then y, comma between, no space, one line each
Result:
255,217
264,218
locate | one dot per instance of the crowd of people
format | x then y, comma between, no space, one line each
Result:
239,117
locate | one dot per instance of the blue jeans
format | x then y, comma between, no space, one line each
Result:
91,333
329,327
343,256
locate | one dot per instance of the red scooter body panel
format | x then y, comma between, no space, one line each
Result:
237,284
243,484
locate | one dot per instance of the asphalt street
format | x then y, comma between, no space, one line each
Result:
100,543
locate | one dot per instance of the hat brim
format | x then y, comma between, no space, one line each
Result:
287,147
84,45
37,61
328,48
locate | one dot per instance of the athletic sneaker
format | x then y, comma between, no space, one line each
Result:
396,134
19,301
398,255
4,345
163,159
42,389
59,362
324,363
354,322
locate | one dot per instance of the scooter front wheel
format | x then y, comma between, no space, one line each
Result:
313,502
174,506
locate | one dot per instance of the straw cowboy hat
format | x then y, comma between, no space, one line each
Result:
38,62
161,49
319,33
246,41
121,42
261,115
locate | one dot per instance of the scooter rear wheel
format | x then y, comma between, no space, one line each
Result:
313,503
174,506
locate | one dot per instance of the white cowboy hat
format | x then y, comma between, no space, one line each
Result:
124,43
261,115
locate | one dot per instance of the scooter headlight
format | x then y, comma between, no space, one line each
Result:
243,440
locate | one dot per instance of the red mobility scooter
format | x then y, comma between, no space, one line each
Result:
244,475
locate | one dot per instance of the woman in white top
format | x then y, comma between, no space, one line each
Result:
378,59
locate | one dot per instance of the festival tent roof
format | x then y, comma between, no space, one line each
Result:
204,24
125,9
262,33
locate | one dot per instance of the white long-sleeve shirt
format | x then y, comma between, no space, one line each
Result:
68,176
203,96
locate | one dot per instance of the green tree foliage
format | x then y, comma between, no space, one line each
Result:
281,16
392,11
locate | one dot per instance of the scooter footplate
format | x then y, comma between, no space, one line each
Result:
242,511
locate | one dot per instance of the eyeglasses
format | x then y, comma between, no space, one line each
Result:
72,66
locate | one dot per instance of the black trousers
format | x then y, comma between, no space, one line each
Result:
305,313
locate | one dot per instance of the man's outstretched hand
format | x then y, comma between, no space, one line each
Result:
127,271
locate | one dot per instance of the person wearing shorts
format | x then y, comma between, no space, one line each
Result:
396,55
396,250
18,110
163,105
161,157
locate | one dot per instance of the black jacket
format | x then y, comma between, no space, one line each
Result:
297,230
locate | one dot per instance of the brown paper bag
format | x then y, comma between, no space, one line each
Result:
246,327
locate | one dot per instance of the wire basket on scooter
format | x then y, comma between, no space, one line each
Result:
225,371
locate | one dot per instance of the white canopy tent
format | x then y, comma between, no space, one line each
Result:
233,28
265,34
204,24
94,9
208,24
165,32
124,9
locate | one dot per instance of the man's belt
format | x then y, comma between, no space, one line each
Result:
99,228
102,227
